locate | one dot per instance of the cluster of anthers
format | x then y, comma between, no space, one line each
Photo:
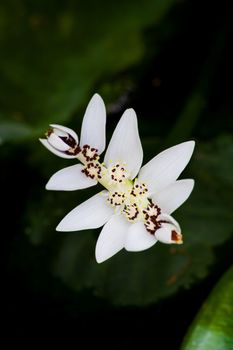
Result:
136,205
92,166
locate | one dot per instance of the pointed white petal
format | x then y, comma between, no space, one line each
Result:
138,238
165,168
172,196
54,151
93,213
125,145
93,125
112,238
65,130
166,232
70,179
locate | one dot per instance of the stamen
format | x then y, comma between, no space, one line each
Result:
90,153
152,225
152,211
116,198
92,170
139,189
69,140
131,211
117,173
151,214
73,151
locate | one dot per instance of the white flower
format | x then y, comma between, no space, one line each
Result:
135,211
64,142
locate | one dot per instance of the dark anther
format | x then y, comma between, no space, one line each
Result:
69,140
175,236
73,151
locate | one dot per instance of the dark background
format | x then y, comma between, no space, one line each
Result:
169,60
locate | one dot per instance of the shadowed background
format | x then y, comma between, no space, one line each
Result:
170,61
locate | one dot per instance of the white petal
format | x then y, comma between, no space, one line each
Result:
170,220
93,213
172,196
57,142
138,238
164,234
93,125
112,238
65,130
70,179
125,145
165,168
54,151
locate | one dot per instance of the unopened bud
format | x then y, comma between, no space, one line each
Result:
168,234
63,139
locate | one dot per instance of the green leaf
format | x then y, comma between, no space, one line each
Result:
213,326
142,278
14,131
54,54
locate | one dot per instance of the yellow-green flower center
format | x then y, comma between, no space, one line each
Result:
128,197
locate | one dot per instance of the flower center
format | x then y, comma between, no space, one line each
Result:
116,198
139,189
131,211
130,200
128,197
117,173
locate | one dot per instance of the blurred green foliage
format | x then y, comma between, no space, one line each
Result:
50,60
212,328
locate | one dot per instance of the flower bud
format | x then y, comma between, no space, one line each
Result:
169,231
168,234
62,141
